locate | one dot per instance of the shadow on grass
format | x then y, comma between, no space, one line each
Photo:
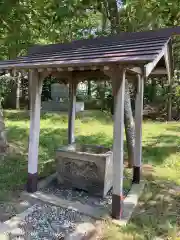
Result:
155,216
13,170
61,117
156,153
174,128
161,148
15,115
25,116
99,139
96,139
99,116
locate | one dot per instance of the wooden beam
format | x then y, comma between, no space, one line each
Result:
81,62
49,70
41,69
82,68
94,68
138,129
60,69
80,75
150,66
159,71
35,84
62,75
156,71
87,74
136,70
70,69
118,78
72,112
106,68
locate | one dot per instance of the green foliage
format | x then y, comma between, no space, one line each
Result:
155,14
176,98
24,23
5,80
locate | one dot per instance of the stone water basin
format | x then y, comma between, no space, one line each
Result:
85,167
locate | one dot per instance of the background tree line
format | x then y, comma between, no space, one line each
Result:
25,23
28,22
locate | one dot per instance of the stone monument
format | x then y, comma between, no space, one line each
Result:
60,99
59,92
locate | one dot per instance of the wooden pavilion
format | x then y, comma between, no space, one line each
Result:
136,55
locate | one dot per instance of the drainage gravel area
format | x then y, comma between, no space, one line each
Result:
48,222
78,195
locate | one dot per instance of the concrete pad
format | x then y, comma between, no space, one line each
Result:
130,202
83,231
44,182
94,212
12,224
3,230
4,236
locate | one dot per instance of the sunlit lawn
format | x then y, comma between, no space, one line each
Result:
159,209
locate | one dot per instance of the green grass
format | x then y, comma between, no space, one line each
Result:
158,211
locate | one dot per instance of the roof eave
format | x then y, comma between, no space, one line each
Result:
148,68
138,62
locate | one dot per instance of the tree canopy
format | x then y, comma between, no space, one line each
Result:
28,22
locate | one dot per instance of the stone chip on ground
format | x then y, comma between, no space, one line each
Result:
79,195
49,222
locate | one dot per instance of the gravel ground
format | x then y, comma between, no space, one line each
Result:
48,222
10,209
7,211
78,195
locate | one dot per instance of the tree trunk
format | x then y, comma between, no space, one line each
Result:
169,104
89,89
153,91
3,140
18,86
129,126
113,16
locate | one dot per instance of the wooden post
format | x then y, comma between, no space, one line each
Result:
118,136
72,111
138,130
35,84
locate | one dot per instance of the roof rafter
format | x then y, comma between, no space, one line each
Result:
150,66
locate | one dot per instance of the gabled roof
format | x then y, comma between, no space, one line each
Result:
135,49
141,51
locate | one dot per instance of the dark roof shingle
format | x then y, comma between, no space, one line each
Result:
130,48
